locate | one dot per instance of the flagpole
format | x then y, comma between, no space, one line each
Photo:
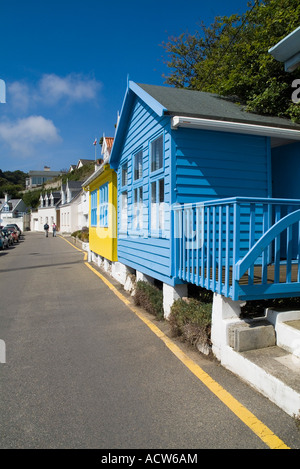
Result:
95,145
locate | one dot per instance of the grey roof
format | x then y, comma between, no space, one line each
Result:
85,161
44,173
74,184
183,102
12,203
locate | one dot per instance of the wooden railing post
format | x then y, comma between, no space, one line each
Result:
236,247
220,242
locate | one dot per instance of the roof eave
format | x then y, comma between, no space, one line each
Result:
132,90
234,127
287,48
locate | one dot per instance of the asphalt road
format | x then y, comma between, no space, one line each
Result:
83,371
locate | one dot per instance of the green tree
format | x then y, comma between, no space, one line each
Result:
231,58
13,190
32,198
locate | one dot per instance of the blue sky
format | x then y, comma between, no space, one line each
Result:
65,64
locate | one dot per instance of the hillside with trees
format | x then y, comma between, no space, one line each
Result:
32,198
12,182
230,57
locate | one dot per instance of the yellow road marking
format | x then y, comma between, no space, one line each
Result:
249,419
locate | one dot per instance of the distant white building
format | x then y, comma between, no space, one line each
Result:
38,178
47,211
68,208
13,211
73,207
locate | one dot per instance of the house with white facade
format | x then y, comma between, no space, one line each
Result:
68,208
13,211
38,178
47,211
73,207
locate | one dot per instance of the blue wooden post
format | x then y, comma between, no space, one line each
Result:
220,260
264,254
214,248
289,251
298,273
227,250
277,246
198,246
251,241
208,249
236,247
203,248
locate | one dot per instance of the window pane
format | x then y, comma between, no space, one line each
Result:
124,175
153,206
153,192
161,190
94,208
138,165
103,205
138,208
124,210
157,154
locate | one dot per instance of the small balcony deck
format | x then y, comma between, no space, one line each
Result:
241,248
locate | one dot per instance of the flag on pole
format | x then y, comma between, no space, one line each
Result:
95,141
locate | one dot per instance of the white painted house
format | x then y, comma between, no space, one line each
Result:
68,208
13,211
73,208
47,211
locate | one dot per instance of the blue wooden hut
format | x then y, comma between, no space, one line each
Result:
207,193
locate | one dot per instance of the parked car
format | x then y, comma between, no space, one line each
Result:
8,235
16,227
5,240
1,243
14,233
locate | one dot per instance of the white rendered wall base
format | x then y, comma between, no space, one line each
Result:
171,294
140,277
120,272
224,313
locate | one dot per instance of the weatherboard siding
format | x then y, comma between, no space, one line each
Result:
199,165
213,165
285,171
144,250
103,239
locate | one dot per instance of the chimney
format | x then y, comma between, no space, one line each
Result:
6,197
46,168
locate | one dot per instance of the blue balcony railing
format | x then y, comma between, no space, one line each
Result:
243,248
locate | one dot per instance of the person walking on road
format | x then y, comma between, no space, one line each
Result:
46,228
54,228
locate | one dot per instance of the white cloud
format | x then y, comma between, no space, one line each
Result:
19,96
52,89
23,135
73,87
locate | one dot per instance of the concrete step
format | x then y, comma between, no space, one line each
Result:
251,335
287,328
282,368
270,353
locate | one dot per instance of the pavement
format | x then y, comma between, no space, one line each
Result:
85,368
